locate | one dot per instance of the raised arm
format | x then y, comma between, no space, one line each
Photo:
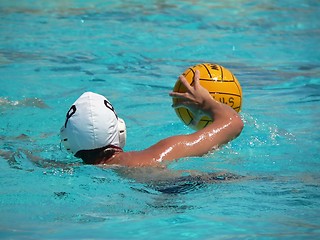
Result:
226,126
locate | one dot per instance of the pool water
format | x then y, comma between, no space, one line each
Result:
132,52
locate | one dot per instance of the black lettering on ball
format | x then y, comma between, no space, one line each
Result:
231,101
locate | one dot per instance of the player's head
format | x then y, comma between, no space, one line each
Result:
92,126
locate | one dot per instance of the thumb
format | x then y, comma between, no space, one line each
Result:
196,117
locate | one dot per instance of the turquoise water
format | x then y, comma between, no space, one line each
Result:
132,52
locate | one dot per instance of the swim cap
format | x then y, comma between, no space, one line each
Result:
92,123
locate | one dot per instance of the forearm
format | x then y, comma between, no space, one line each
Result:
212,137
199,143
227,125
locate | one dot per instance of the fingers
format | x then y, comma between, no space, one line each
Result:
185,82
189,96
177,95
181,95
196,79
182,99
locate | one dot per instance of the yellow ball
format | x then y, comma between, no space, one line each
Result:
222,85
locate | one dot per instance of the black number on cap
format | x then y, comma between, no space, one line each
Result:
71,111
108,105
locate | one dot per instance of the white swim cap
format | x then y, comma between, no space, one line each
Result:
92,123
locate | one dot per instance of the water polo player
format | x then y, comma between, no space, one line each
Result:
93,131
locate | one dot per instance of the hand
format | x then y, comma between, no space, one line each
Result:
197,99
